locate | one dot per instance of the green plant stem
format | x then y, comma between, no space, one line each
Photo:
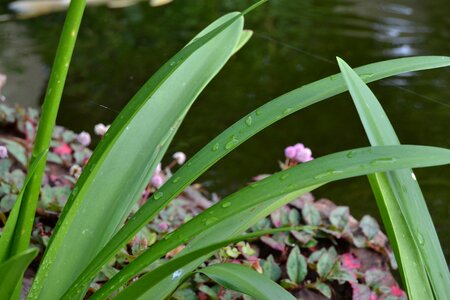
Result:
47,122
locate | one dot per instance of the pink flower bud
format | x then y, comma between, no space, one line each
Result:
290,152
84,138
157,181
163,226
180,157
3,152
62,149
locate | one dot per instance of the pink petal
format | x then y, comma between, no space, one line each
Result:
63,149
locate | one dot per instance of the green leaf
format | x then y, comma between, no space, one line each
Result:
277,188
241,131
12,270
296,266
339,217
369,227
175,268
323,288
243,40
8,232
401,203
247,281
271,269
130,151
325,264
311,215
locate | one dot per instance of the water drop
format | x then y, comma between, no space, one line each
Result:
383,161
287,110
176,180
413,176
177,274
351,154
226,204
158,195
232,142
258,112
215,147
284,176
211,221
248,121
420,239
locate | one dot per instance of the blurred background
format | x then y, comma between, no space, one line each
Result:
122,42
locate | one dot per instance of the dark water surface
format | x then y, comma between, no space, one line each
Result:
295,43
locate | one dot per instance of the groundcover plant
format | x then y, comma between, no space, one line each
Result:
91,229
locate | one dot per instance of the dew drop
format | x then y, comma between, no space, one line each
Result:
258,112
420,239
413,176
351,154
231,143
287,110
248,121
284,176
211,221
176,180
177,274
226,204
158,195
383,161
215,147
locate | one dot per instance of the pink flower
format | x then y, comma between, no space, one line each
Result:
180,157
3,152
290,152
350,262
163,226
63,149
396,291
84,138
373,296
157,181
303,155
100,129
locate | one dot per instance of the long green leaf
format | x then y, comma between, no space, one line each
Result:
7,237
242,131
124,160
405,214
49,112
326,169
12,270
154,277
247,281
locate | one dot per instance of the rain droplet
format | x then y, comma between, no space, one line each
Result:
351,154
177,274
284,176
383,161
420,239
158,195
258,112
211,221
232,142
215,147
176,180
413,176
226,204
248,121
287,110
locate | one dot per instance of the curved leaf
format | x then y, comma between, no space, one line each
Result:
326,169
247,281
241,131
403,207
175,266
130,151
11,272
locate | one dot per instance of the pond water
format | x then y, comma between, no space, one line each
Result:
295,43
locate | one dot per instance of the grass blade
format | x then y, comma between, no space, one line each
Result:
153,278
49,112
404,211
247,281
239,133
7,237
11,272
300,178
154,114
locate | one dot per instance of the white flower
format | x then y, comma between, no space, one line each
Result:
75,170
84,138
180,157
100,129
3,152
